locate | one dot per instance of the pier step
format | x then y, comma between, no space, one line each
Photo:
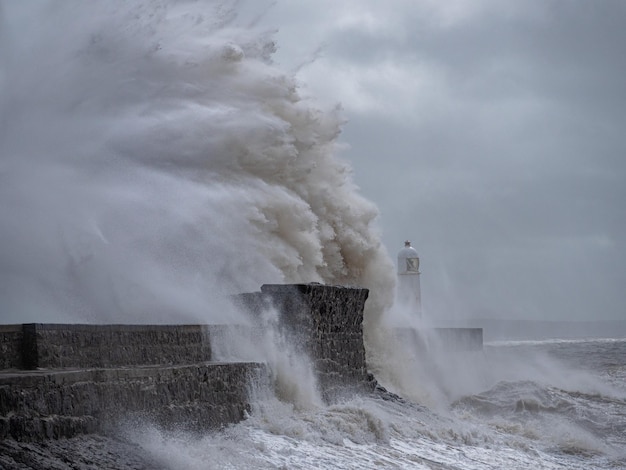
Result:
44,404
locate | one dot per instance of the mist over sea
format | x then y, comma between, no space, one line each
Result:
153,160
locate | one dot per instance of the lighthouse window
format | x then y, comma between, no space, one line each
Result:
412,264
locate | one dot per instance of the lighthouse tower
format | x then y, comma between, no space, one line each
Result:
409,293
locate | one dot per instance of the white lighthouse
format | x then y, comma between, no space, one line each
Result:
409,293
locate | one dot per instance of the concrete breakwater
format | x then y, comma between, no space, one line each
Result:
325,323
63,403
58,381
434,340
64,380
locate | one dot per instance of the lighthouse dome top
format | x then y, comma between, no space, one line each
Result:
408,260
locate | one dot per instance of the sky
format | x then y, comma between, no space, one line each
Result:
490,133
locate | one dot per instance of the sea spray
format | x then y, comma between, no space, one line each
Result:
153,160
292,376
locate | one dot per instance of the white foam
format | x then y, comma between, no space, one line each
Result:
358,434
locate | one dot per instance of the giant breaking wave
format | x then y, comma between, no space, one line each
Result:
153,159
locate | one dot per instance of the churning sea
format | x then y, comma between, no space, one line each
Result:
550,404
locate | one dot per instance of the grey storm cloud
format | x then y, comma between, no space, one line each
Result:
492,135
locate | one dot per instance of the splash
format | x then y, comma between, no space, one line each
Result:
292,377
153,159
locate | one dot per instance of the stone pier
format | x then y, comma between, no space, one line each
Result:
435,340
63,380
326,324
59,381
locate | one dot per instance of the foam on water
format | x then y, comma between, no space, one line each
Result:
522,423
370,433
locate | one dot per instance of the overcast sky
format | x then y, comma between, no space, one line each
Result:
491,133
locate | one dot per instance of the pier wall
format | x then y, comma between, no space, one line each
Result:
63,403
440,339
62,380
11,346
52,346
326,324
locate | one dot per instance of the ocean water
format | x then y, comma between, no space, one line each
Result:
552,404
